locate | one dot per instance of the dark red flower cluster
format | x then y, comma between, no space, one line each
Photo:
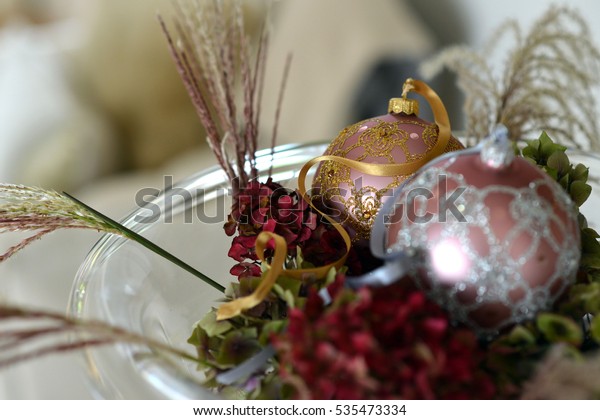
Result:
385,343
266,207
324,246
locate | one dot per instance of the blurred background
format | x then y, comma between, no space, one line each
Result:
91,103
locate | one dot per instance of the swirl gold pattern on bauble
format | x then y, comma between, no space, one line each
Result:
399,137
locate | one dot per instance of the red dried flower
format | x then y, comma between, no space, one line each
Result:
266,207
386,343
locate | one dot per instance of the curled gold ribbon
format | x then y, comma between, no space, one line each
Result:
234,308
276,268
398,169
440,116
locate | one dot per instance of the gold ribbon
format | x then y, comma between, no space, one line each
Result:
234,308
440,116
397,169
276,268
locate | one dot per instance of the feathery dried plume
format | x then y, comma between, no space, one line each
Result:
42,211
32,209
212,53
29,334
546,83
564,376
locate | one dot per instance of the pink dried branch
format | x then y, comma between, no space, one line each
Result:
30,334
259,82
213,56
24,243
286,72
187,72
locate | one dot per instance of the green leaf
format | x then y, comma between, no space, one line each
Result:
233,393
583,224
545,140
212,327
559,161
270,328
559,329
585,298
580,172
590,261
580,191
593,276
197,337
232,290
521,337
553,173
205,346
595,328
532,150
590,249
589,241
284,294
564,181
548,147
237,347
330,278
291,284
299,257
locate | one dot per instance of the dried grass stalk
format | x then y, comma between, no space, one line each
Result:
42,211
213,55
30,334
32,209
546,83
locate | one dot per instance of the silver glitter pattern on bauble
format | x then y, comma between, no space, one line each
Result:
494,277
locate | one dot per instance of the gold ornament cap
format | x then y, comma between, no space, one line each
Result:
403,105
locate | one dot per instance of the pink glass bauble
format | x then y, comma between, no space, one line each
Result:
355,197
494,239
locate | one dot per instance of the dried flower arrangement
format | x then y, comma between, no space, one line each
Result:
316,337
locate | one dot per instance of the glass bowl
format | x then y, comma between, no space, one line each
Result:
126,285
